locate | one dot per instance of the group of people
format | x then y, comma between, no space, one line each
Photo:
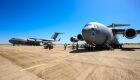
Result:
89,47
73,46
49,46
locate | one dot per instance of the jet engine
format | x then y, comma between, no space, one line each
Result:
80,37
73,39
130,33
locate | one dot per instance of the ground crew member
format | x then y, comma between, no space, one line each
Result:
73,46
65,46
88,47
49,46
13,44
77,45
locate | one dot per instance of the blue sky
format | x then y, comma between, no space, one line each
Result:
40,18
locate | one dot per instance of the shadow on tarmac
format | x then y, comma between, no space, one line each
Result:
129,49
101,49
83,50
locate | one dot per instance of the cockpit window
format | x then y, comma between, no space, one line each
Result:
88,25
96,26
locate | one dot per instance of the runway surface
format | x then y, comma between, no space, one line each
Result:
36,63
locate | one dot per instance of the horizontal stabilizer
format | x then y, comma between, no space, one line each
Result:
54,36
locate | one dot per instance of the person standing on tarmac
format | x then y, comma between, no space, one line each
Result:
77,46
49,46
88,47
73,46
65,46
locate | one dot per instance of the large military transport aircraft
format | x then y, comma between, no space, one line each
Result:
33,41
98,35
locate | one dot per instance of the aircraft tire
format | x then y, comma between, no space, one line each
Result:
45,47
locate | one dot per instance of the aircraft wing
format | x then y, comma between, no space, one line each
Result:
118,31
115,25
138,31
121,31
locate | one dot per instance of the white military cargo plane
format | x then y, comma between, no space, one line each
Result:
33,41
99,35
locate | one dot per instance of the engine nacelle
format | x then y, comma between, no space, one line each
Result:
73,39
130,33
80,37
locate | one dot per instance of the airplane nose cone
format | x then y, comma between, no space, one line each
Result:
89,34
11,41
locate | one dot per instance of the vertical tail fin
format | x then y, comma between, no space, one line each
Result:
55,35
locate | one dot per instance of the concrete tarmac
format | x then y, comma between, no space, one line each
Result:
36,63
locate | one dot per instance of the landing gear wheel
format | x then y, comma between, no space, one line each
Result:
120,46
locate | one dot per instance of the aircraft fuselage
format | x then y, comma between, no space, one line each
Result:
97,34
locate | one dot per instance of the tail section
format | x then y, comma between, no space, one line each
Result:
55,35
59,39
